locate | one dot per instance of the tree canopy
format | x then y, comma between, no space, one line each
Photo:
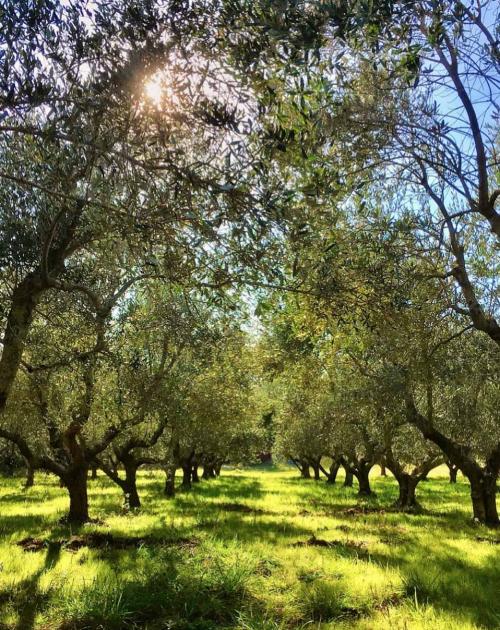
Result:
229,228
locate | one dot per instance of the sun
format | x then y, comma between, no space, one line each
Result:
154,91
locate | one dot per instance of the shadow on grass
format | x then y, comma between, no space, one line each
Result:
435,572
335,498
25,598
26,496
13,523
447,581
252,529
245,488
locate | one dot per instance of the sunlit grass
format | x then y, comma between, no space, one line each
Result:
244,569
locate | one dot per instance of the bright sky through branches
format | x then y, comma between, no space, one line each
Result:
154,91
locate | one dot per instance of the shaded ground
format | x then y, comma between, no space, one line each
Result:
99,540
253,549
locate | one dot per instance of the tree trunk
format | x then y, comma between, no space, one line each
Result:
186,476
490,501
332,472
24,300
30,474
362,475
316,471
170,482
217,469
304,471
206,472
453,468
132,499
407,497
348,481
383,472
93,472
483,483
483,495
194,474
76,483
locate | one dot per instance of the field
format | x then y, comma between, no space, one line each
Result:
255,548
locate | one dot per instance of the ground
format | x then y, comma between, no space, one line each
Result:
254,549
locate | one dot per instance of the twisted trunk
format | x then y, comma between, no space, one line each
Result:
316,470
30,473
331,473
132,499
407,499
169,490
194,474
75,481
361,473
207,472
211,468
482,479
24,300
304,470
408,481
25,297
186,476
349,478
359,468
453,468
483,495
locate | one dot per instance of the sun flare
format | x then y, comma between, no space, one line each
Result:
154,91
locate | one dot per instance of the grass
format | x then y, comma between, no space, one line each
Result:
236,567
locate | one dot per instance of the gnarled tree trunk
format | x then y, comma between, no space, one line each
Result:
304,470
186,475
194,473
129,486
483,495
453,468
408,481
25,297
362,473
407,499
169,490
207,472
75,481
315,465
482,479
30,473
331,473
360,468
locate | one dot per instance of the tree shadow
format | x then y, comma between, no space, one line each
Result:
27,599
251,529
13,523
247,487
335,498
447,581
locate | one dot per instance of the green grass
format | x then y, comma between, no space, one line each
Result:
244,569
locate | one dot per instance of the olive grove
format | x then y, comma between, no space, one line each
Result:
231,227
